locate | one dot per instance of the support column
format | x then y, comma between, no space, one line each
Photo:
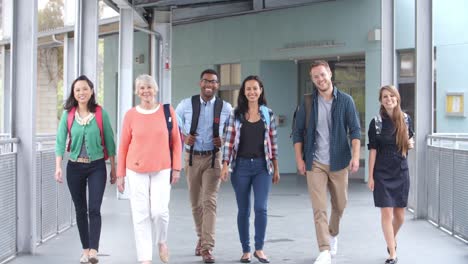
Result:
86,39
125,85
24,60
162,25
69,69
424,98
387,43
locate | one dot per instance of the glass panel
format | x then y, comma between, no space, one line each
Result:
2,90
50,15
225,72
235,74
105,11
49,88
450,27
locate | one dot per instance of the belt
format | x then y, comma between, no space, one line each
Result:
82,160
202,152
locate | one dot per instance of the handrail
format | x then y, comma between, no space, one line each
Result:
464,139
9,141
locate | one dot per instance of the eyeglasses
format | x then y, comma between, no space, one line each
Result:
205,81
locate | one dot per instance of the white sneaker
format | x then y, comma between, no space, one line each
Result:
333,245
323,258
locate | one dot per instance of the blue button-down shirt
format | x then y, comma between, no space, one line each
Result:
345,121
204,139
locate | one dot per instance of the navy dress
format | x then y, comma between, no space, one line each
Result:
391,177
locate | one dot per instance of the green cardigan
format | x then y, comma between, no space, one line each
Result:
90,133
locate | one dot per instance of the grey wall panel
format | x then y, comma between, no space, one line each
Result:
433,183
49,194
7,206
460,196
446,188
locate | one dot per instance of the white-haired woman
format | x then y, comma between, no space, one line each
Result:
144,157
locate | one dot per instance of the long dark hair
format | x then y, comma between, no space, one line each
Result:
243,103
71,101
398,119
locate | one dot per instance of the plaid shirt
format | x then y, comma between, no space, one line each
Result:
232,136
344,121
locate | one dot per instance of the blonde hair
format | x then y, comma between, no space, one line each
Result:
145,79
397,118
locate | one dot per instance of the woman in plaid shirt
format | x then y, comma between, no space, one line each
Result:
251,150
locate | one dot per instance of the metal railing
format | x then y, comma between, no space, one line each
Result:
447,177
8,204
54,206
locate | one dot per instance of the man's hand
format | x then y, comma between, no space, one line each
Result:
217,142
121,184
301,168
354,165
190,139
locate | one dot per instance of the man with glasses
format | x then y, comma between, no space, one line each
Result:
202,156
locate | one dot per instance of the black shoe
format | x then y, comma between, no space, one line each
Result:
391,261
244,260
262,260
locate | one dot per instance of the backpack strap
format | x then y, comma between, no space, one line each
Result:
195,115
266,115
218,107
98,116
378,124
99,122
70,119
167,115
308,108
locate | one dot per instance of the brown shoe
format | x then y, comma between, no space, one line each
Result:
198,248
207,257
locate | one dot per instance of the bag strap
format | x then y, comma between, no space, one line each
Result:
308,108
193,126
70,119
167,115
218,107
99,122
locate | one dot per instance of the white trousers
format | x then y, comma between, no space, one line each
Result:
149,198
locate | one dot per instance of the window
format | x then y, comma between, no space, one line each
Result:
230,76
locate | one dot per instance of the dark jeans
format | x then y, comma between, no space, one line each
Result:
250,173
78,174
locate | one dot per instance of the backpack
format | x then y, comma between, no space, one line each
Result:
308,100
218,107
378,123
267,116
98,116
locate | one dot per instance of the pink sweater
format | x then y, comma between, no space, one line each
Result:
144,143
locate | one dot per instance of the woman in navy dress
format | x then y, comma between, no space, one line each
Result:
390,138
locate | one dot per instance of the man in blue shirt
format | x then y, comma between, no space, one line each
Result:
202,174
328,157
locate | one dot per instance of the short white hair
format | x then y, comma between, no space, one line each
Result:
145,79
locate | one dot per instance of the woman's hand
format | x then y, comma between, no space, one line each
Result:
58,175
370,184
224,173
411,143
113,176
121,184
175,176
276,177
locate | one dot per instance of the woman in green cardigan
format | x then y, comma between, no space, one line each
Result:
91,142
